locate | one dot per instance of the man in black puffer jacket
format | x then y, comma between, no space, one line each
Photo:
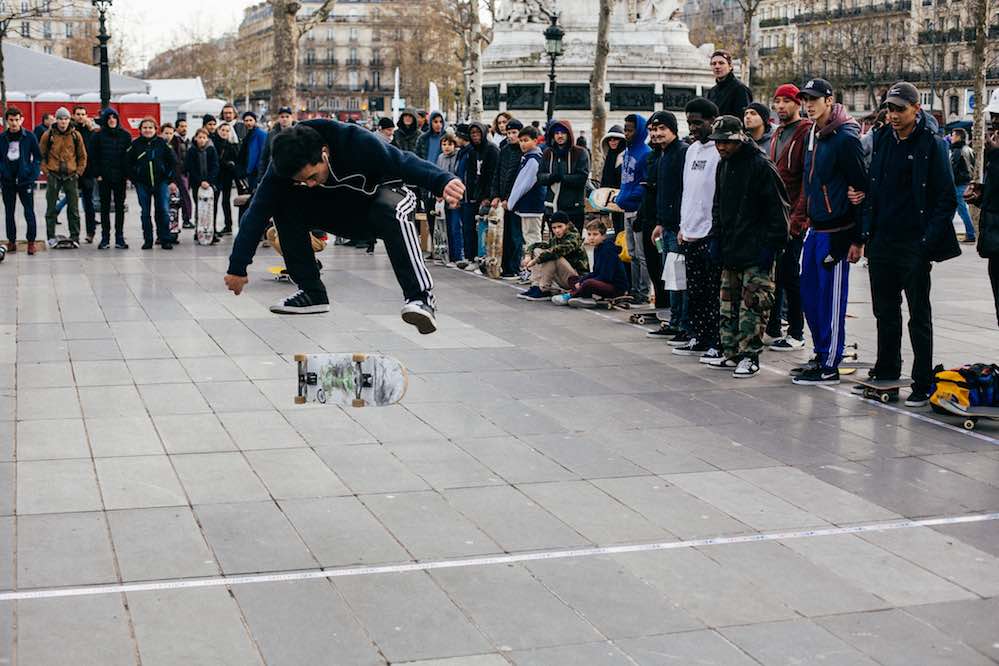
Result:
505,175
109,157
479,172
750,223
407,132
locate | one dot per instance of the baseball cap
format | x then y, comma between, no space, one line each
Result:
285,109
816,88
514,124
727,128
902,94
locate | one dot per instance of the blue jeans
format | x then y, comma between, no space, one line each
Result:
962,211
157,197
677,299
455,247
481,227
26,193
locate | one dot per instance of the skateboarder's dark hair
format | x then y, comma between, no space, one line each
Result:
296,148
530,131
705,107
12,111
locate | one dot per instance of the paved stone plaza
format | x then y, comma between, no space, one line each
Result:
148,433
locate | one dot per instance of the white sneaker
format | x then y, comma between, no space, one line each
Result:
722,363
421,315
450,264
747,368
472,267
787,343
770,339
52,242
710,355
561,299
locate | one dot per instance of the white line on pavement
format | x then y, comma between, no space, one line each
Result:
187,583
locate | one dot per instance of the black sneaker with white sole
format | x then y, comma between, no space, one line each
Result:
818,377
421,315
302,303
787,343
917,398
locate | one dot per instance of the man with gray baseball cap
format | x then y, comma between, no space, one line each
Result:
907,223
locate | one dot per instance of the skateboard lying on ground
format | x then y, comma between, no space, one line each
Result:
884,390
602,200
970,414
280,273
354,380
204,231
63,243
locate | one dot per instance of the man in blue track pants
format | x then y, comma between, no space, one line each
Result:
834,163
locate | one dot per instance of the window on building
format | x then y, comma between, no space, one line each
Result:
47,30
954,105
310,57
376,79
69,30
955,60
353,56
353,34
47,49
312,77
24,5
352,80
25,29
330,77
329,34
955,22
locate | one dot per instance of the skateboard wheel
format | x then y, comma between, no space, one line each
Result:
299,399
357,402
301,358
358,358
969,424
885,397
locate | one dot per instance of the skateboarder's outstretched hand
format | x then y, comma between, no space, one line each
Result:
453,192
235,283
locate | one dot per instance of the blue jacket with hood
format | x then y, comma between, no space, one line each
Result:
428,146
834,161
633,166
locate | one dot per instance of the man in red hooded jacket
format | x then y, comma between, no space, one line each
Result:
787,152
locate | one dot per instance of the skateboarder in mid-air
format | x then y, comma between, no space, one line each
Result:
343,179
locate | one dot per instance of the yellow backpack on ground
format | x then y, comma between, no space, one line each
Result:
622,242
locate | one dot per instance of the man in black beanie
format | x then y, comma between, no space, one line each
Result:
756,120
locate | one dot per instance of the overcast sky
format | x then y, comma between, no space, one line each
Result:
152,26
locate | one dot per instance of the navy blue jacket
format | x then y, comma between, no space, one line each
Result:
932,188
30,164
192,164
150,162
607,265
834,160
359,163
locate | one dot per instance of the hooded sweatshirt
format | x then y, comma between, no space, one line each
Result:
787,152
607,265
700,166
480,166
428,145
564,171
405,138
834,160
109,149
611,174
633,166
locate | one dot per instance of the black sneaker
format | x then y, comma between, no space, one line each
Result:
664,332
121,245
787,343
810,364
535,294
679,339
917,398
104,244
187,225
302,303
818,377
148,245
421,315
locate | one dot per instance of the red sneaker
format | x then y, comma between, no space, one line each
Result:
31,247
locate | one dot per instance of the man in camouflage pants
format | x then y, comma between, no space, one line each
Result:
750,226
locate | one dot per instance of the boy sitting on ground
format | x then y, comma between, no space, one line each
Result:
556,261
607,280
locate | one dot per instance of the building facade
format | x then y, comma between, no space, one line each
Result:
67,28
344,63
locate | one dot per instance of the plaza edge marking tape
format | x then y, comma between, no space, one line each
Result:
179,584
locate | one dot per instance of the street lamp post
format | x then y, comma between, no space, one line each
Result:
103,37
553,47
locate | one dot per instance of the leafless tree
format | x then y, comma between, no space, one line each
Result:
598,81
11,12
288,29
748,8
979,10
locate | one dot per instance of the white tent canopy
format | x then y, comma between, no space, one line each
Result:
33,72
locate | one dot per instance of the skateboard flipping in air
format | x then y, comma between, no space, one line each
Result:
344,180
355,380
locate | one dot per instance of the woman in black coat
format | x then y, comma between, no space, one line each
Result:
228,154
202,166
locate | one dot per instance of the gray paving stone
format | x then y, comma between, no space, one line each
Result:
7,552
518,418
218,477
700,648
591,512
101,373
54,486
410,618
894,638
111,401
63,549
794,642
369,468
168,399
513,609
160,543
584,456
427,526
193,433
392,424
38,403
612,598
442,464
514,460
721,597
94,350
326,426
138,481
340,531
7,632
44,375
594,654
876,570
199,626
455,421
974,623
512,519
157,371
472,660
251,537
123,436
233,396
290,473
260,430
304,622
51,439
95,626
977,466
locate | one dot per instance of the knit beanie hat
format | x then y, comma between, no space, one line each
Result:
762,109
62,112
664,118
788,90
385,122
